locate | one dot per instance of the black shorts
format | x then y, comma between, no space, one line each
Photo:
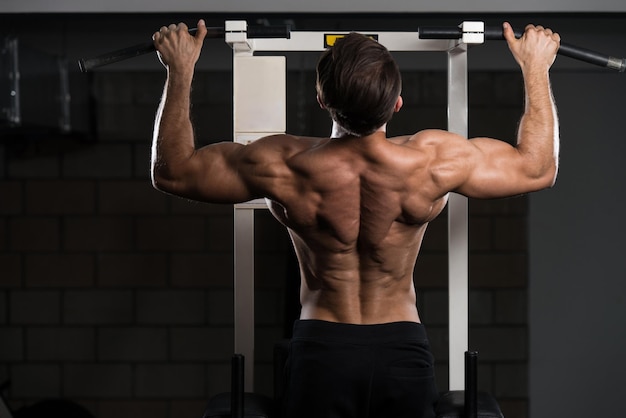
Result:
359,371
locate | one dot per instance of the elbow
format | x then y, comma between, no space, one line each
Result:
548,179
174,182
552,182
159,184
161,181
540,176
554,175
174,178
549,182
164,174
157,173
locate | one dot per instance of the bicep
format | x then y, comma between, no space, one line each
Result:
214,173
489,168
494,170
230,172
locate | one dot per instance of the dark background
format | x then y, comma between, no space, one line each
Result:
119,297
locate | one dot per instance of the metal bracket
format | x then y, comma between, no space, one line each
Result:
236,35
473,32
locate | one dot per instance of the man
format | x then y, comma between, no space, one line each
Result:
356,206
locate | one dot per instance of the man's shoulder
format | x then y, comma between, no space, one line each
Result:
422,138
288,140
282,146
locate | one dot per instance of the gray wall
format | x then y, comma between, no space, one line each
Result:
576,300
319,6
578,270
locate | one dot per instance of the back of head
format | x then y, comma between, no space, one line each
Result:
358,82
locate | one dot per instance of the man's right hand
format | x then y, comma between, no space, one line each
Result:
177,49
536,48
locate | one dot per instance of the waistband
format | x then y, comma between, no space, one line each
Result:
355,333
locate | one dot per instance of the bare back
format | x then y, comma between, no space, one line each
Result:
357,212
356,208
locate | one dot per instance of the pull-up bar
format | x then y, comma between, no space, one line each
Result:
439,32
495,32
253,32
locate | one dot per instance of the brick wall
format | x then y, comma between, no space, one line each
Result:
120,297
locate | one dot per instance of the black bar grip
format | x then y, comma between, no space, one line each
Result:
258,32
494,32
88,64
497,33
454,32
439,32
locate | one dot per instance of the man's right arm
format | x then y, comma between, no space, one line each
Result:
488,168
538,133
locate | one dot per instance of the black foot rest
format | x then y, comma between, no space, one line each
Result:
452,405
255,406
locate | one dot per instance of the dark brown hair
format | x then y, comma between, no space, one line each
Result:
358,82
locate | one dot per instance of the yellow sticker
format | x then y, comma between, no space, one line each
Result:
331,38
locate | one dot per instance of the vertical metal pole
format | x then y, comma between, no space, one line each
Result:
458,225
259,109
244,253
244,289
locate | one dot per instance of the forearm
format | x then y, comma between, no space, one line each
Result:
538,135
173,140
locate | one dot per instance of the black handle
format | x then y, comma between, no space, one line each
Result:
253,32
495,32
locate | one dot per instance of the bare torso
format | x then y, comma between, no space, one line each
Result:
357,211
356,208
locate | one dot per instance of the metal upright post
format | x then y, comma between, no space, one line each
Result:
243,218
244,288
244,214
457,226
259,96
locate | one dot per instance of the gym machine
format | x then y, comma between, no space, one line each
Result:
259,109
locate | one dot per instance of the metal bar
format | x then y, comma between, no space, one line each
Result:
565,49
88,64
314,41
458,226
252,100
244,289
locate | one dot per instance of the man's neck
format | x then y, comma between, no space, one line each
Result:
339,131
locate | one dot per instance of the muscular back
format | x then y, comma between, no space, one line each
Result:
357,210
